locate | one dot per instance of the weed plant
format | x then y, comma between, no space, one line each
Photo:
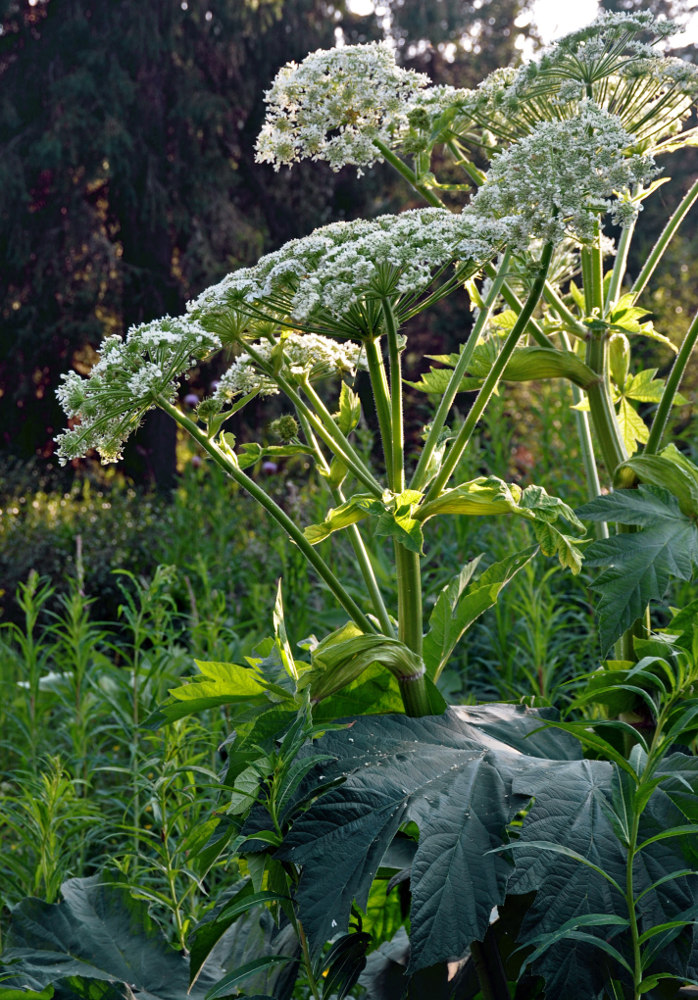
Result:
82,781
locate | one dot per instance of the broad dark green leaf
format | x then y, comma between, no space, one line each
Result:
452,776
98,932
638,566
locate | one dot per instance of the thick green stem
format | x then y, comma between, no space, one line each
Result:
602,411
671,388
396,458
381,397
407,563
420,473
409,175
603,414
229,466
586,446
664,240
458,446
596,269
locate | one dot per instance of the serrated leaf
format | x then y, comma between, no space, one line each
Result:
452,776
394,514
436,381
98,932
398,520
555,543
217,684
490,495
353,510
673,471
644,387
454,613
638,566
632,426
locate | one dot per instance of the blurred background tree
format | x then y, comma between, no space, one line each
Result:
127,174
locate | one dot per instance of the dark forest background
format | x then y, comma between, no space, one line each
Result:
128,182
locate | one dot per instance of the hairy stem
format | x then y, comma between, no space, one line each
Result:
603,414
381,398
396,459
620,265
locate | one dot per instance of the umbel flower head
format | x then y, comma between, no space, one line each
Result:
130,374
334,279
553,183
335,105
295,356
608,62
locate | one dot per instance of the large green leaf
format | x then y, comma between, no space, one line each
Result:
567,810
452,775
462,778
638,565
98,932
672,470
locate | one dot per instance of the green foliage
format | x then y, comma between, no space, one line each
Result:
99,933
639,565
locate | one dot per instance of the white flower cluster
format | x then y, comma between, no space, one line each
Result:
606,61
335,104
341,266
553,183
296,356
130,373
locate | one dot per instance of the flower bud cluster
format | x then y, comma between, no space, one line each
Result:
124,383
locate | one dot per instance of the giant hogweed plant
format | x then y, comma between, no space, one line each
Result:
526,856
